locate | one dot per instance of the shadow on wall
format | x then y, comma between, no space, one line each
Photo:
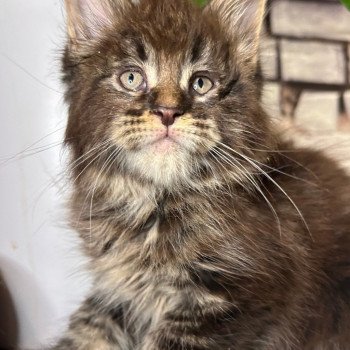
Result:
8,319
26,313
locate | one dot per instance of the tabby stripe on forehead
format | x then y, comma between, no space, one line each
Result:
197,49
134,40
140,49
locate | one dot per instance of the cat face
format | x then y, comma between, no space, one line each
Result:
161,88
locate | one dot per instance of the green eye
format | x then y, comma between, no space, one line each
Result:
132,80
202,85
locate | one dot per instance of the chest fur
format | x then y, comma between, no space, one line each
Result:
149,286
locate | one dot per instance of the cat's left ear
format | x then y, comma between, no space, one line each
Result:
243,21
87,19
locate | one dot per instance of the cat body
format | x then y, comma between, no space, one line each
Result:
204,229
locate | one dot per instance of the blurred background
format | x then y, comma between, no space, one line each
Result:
41,272
306,61
305,57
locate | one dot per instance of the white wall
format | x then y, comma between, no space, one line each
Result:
39,259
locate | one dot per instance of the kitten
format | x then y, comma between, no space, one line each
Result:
204,229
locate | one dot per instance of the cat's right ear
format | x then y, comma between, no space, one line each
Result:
87,19
242,20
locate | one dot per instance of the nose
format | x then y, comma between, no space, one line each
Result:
168,115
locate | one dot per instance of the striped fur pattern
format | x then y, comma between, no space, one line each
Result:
209,233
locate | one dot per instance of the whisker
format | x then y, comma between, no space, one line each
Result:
257,187
92,152
108,163
29,151
252,162
29,74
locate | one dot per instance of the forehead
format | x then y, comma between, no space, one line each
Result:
171,33
169,27
166,25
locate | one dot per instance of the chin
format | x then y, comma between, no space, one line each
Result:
164,163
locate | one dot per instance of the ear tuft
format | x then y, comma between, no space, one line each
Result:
86,19
243,21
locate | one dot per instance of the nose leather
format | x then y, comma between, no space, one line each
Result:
168,115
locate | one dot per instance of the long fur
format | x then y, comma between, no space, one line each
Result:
228,238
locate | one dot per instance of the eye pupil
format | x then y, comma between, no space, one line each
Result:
200,83
131,78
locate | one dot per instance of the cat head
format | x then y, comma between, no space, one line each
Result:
164,91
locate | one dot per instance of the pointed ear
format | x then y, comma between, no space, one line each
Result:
86,19
243,21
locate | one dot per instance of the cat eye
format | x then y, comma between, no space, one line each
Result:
202,85
132,80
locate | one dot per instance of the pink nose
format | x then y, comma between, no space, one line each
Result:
168,115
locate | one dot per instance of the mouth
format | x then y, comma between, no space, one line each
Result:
164,138
164,144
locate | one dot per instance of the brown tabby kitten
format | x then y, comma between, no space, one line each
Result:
205,231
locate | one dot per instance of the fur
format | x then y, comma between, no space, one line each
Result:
210,233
